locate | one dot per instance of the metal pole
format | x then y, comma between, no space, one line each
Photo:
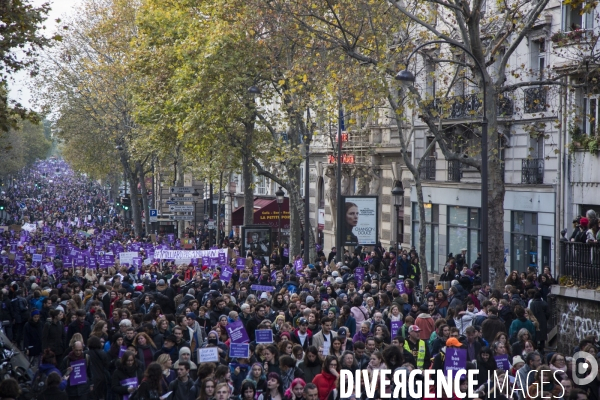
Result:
195,227
210,214
306,189
340,214
279,236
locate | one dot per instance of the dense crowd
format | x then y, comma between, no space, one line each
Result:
125,332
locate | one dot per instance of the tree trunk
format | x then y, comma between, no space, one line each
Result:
135,205
496,191
143,190
248,189
422,233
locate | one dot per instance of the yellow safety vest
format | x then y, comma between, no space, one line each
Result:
421,353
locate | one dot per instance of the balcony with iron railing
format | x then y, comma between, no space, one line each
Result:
467,106
454,171
532,171
427,170
580,264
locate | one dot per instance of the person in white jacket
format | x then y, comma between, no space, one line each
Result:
463,319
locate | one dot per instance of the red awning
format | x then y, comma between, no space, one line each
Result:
266,212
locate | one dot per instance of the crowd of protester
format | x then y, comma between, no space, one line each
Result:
138,330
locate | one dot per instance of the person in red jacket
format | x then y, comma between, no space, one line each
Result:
326,381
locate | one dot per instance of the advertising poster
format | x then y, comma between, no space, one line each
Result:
360,223
257,239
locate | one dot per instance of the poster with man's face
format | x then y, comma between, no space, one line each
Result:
360,223
257,239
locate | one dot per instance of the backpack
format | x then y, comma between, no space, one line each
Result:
38,385
180,308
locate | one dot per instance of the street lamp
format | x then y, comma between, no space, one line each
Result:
254,90
398,193
195,196
279,195
406,76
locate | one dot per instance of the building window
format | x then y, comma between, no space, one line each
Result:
430,81
261,185
573,19
463,232
538,57
431,232
590,116
302,181
524,238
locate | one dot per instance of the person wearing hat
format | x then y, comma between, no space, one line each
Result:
302,335
417,347
168,348
185,354
347,344
440,358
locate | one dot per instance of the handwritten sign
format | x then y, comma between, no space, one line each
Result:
395,327
263,336
239,350
210,354
456,359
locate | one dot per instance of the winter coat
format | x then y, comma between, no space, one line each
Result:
99,365
520,323
360,314
122,373
77,390
427,325
47,369
53,337
325,382
491,326
75,328
32,337
541,311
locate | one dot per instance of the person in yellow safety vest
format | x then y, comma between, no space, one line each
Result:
418,348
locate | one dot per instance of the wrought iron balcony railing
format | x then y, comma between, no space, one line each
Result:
467,106
532,171
427,171
454,171
535,99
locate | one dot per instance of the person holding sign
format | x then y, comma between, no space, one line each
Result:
127,370
75,366
150,388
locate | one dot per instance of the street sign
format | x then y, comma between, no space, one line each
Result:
182,199
171,202
182,189
153,215
211,224
181,208
182,217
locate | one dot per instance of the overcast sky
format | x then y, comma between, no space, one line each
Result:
60,8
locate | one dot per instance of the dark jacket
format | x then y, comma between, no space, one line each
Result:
53,393
53,337
541,311
77,390
491,326
181,390
74,328
99,365
121,373
32,337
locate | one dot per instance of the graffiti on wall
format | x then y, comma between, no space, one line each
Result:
574,325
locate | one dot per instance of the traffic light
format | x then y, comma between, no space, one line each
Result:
2,205
126,201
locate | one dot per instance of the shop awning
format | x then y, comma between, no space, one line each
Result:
266,212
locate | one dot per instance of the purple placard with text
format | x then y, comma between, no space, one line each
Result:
129,382
239,350
359,274
263,336
298,265
400,286
501,361
79,374
395,327
286,252
240,263
226,273
456,359
237,332
222,258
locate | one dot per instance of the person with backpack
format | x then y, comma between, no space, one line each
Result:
20,311
52,388
47,367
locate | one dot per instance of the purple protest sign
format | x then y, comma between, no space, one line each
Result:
3,260
20,269
501,361
129,382
122,350
240,263
237,332
205,260
400,286
264,336
359,274
226,273
51,250
222,258
137,261
256,268
298,265
214,248
262,288
456,359
239,350
395,325
286,252
79,374
49,267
